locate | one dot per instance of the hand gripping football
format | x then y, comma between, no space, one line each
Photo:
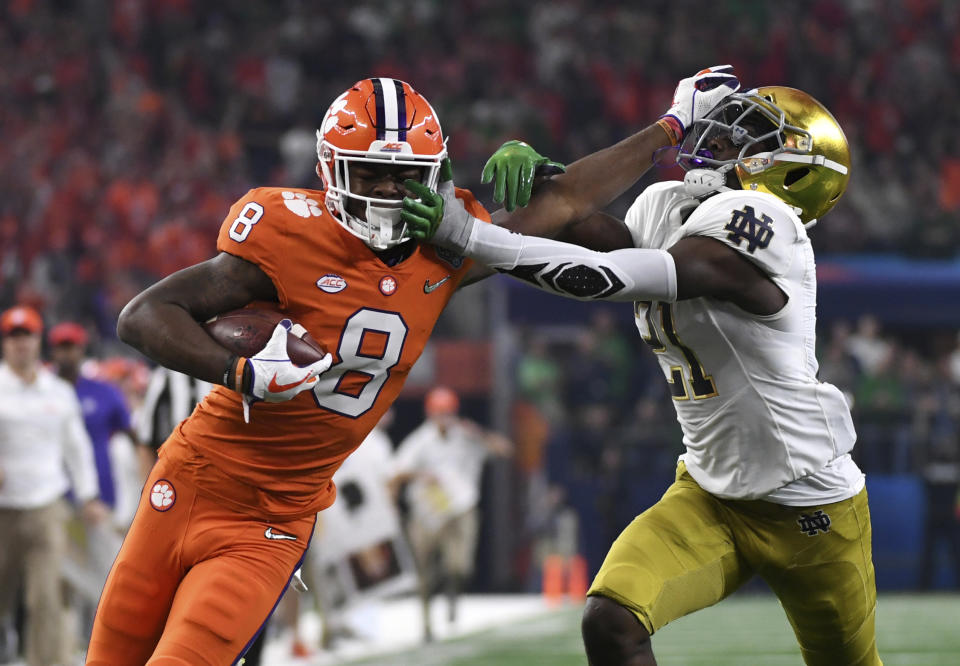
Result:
246,331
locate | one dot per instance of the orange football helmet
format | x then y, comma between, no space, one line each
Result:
384,121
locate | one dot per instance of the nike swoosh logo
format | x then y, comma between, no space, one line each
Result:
274,387
427,287
277,536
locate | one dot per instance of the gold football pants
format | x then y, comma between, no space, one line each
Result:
691,549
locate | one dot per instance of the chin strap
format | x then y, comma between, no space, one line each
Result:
383,220
376,231
701,182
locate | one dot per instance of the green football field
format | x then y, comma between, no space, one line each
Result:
912,630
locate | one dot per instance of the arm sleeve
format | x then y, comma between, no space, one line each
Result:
634,274
78,456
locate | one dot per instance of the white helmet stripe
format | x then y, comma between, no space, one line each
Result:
390,121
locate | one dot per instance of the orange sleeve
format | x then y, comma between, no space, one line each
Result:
473,206
254,230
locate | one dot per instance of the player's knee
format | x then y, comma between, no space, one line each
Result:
133,603
218,611
612,635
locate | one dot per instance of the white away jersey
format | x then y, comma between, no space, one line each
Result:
756,422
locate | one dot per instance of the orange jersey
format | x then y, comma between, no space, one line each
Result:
375,319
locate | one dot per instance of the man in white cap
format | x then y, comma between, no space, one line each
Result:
443,462
44,450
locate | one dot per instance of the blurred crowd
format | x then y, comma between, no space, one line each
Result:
129,126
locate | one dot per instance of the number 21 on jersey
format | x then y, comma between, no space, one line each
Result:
658,335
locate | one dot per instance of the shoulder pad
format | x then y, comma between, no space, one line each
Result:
264,222
473,206
646,220
288,200
268,211
755,224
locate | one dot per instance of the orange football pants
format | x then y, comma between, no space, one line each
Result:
195,581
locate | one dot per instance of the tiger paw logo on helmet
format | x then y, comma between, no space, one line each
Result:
300,204
162,495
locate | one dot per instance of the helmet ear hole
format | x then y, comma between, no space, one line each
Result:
794,176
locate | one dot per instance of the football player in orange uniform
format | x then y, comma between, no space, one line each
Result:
228,510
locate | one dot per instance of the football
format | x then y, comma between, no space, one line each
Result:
246,331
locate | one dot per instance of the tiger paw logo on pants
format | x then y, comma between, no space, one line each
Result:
162,495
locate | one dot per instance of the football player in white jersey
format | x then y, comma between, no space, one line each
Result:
723,283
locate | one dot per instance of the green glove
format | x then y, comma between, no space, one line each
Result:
514,166
438,217
424,216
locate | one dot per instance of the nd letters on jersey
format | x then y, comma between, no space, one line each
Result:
762,228
375,319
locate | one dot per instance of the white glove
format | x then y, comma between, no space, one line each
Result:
274,377
297,581
697,95
455,228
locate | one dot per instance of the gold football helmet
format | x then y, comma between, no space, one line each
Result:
790,146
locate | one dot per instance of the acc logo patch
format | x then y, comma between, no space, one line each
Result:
388,285
300,204
162,495
331,283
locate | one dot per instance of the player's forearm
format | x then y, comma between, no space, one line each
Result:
163,322
589,184
168,334
596,180
572,271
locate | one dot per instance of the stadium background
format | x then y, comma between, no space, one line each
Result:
129,126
